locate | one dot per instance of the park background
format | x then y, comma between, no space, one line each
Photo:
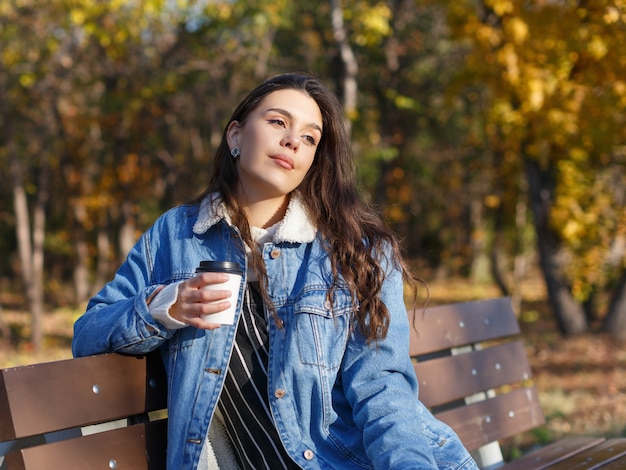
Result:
490,134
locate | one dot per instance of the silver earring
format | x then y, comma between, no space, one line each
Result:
235,152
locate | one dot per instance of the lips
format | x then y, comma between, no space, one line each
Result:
284,161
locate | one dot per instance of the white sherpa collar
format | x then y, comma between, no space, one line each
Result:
296,226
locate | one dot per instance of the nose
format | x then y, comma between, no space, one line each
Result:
291,141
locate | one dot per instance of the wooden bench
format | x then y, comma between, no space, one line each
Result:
474,375
109,411
98,412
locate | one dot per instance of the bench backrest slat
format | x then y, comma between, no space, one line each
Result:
137,447
502,416
471,373
64,394
449,326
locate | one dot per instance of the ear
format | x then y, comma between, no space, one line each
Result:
232,134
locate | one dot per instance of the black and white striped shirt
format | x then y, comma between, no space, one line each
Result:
244,401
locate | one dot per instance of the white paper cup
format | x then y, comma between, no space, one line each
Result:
225,317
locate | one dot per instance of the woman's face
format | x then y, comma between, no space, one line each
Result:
278,141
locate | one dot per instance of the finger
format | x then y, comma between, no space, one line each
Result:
190,312
203,320
205,279
203,309
198,322
211,295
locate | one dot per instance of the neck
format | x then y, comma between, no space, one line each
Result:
266,212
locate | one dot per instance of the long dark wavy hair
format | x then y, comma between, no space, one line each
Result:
354,235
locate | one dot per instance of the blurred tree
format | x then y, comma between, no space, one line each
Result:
114,108
28,65
111,111
552,73
409,133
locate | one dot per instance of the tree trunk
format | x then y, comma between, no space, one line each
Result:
81,269
569,314
127,231
348,59
5,331
39,234
615,320
519,263
479,264
496,253
30,245
104,256
260,70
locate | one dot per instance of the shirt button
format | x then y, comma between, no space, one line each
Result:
279,393
328,305
308,454
275,253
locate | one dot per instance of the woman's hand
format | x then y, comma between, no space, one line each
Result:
194,302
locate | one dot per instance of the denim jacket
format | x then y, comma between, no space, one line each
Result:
337,401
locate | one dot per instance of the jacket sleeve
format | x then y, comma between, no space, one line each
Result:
117,318
381,386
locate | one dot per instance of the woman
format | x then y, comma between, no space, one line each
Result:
315,372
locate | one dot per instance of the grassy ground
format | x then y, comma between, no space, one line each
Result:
581,380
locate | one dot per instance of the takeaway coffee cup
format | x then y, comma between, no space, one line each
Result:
225,317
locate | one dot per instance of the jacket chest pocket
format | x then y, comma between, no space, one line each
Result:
322,326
